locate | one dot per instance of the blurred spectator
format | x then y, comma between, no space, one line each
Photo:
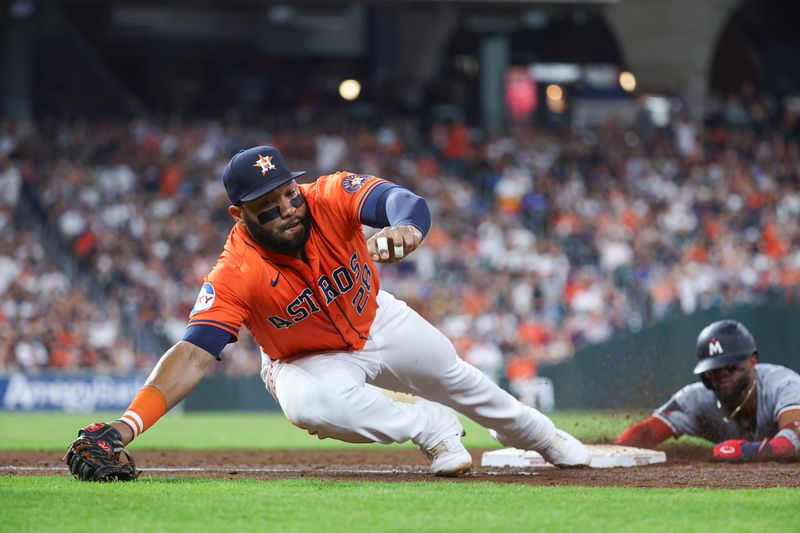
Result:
544,240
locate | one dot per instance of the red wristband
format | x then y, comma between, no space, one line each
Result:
781,446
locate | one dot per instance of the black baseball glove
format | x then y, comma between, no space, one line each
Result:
97,455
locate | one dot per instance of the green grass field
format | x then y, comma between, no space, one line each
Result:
251,430
59,503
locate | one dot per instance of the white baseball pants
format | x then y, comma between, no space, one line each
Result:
330,396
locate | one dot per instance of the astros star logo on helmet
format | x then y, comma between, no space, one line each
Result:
265,163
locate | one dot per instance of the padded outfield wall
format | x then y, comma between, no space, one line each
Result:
636,370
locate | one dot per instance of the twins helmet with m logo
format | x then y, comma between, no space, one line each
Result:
723,343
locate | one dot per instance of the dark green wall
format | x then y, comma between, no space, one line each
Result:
637,370
643,369
223,393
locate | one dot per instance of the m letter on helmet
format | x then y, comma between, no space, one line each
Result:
714,347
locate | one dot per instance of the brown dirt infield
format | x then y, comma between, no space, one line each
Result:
686,466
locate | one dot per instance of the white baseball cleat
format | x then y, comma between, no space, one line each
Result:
449,458
566,451
443,444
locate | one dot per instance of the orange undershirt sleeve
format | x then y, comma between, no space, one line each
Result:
148,406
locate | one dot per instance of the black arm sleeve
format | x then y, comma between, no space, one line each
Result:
392,205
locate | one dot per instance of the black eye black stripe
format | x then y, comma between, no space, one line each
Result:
275,212
270,214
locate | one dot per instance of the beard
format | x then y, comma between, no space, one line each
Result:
733,397
273,240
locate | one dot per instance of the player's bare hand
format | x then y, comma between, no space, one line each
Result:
391,245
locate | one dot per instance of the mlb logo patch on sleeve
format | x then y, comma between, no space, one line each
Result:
205,299
354,182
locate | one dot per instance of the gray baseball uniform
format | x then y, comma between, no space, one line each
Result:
693,409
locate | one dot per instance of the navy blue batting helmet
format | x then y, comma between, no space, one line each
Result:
254,172
723,343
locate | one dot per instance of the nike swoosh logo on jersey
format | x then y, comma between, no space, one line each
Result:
275,281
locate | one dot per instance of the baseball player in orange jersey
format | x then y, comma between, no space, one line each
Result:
298,272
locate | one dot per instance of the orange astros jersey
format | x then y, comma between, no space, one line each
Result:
291,307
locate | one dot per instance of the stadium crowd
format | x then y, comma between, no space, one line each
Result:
544,239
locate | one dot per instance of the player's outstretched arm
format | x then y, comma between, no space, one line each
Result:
785,443
646,434
175,375
99,454
404,217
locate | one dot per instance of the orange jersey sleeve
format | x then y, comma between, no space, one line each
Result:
343,193
222,300
294,307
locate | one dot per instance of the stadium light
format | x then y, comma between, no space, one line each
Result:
349,89
627,81
554,92
555,99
